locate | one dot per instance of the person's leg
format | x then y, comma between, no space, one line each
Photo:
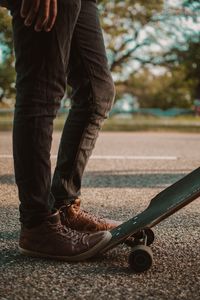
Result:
41,60
93,93
92,97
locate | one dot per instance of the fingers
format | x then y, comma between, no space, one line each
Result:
52,15
43,15
25,7
42,12
32,13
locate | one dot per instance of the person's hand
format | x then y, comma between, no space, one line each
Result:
42,12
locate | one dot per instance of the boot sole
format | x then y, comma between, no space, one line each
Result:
85,255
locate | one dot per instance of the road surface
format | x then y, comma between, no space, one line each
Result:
124,173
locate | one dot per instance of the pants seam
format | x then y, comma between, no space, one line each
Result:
86,125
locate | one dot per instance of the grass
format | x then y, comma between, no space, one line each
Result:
149,123
137,123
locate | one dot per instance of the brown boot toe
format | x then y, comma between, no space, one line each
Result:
53,240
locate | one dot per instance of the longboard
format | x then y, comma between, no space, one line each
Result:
161,206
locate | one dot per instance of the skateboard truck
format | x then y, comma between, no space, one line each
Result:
142,237
141,257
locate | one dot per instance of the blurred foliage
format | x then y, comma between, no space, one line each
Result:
188,61
123,23
144,35
164,91
7,72
141,37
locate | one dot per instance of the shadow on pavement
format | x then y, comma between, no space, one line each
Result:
118,179
9,235
7,179
11,258
123,180
114,262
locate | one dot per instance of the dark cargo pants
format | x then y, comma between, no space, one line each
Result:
72,52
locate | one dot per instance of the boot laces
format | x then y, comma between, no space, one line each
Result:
91,217
71,234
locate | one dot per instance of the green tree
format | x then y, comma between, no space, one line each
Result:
127,26
162,91
147,35
188,60
7,72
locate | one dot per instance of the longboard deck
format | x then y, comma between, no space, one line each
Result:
161,206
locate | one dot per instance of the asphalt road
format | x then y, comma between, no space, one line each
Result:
126,171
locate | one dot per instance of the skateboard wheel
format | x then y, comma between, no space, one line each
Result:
140,258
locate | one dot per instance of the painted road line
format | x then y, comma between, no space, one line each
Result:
134,157
116,157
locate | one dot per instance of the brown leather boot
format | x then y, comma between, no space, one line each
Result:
74,217
53,240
